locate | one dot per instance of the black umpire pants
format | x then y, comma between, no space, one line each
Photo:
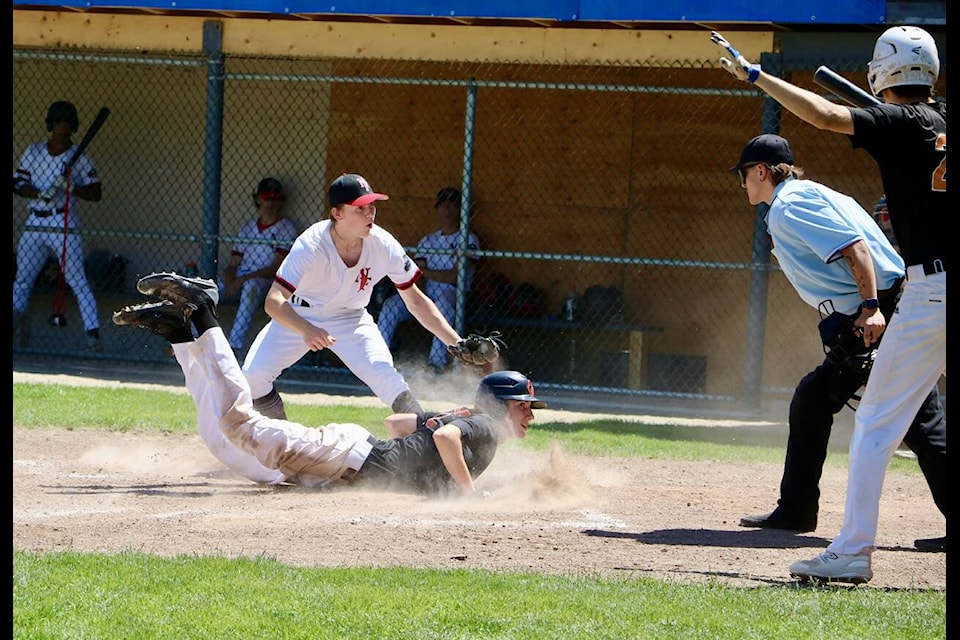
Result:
819,396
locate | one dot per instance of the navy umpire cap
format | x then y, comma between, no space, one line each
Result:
768,149
353,189
447,194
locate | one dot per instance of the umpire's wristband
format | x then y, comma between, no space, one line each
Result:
753,72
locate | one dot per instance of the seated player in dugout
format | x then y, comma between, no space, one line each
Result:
430,453
262,243
436,256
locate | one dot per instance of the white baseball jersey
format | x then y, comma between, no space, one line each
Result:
315,272
448,261
268,241
328,294
40,169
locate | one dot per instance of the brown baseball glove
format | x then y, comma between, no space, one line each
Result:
478,350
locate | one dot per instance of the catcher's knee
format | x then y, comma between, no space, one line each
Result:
271,405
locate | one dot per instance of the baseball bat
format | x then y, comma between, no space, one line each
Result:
843,88
102,116
57,318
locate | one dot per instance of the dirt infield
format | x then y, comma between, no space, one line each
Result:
551,512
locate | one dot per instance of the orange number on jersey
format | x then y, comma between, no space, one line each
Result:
938,181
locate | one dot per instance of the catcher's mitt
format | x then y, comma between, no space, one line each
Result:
478,350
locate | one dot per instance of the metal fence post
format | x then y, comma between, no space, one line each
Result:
469,129
213,152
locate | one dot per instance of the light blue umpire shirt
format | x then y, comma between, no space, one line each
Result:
810,224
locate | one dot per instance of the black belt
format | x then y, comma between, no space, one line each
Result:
934,266
45,213
931,267
298,301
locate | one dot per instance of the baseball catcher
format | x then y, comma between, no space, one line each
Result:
478,350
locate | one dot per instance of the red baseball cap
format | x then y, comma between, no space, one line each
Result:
353,189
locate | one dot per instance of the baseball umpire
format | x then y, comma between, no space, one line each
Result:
837,259
906,136
435,453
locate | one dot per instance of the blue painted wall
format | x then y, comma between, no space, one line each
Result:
808,12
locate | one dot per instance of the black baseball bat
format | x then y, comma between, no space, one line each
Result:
102,116
843,88
58,319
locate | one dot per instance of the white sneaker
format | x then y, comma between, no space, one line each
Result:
828,566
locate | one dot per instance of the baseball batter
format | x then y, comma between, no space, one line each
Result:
263,243
907,136
53,219
319,296
436,255
433,453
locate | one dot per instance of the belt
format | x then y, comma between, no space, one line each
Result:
937,265
45,213
934,266
298,301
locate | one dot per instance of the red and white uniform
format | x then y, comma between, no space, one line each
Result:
41,169
330,295
258,252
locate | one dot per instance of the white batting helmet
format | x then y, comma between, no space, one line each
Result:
903,56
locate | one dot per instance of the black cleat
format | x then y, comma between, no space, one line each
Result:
180,289
776,519
162,318
931,545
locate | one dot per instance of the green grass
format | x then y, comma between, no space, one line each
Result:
93,596
70,595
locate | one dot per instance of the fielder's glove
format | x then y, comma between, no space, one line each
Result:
478,350
739,66
59,186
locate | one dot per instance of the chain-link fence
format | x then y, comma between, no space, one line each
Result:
618,256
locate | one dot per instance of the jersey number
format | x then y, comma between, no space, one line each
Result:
938,181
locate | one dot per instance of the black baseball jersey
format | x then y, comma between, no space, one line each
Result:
909,143
413,462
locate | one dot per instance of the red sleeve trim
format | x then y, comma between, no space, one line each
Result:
406,285
283,283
